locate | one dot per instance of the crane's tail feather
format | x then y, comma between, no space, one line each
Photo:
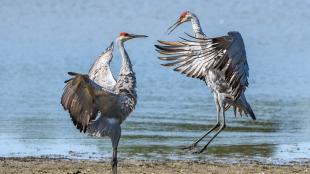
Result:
242,106
72,74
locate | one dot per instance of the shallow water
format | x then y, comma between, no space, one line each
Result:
42,40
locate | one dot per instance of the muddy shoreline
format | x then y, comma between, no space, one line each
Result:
31,165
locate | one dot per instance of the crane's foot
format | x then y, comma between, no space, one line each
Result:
203,149
190,147
199,151
114,166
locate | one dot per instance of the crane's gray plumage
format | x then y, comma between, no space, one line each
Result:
221,62
85,96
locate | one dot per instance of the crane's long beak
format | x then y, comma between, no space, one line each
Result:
174,26
137,36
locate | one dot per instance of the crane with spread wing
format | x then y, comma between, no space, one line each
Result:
96,102
220,62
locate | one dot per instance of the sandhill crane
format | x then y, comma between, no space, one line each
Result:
85,96
221,62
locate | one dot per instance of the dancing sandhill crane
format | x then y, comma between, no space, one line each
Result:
85,96
220,62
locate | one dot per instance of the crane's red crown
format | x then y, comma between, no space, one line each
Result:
183,14
123,34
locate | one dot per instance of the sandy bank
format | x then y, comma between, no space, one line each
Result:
55,166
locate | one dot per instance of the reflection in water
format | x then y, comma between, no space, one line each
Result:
165,152
40,42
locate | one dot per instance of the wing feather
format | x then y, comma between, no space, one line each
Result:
84,99
194,58
100,72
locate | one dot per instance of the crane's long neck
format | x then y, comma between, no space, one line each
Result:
127,78
126,63
196,27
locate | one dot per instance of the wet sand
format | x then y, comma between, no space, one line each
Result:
57,166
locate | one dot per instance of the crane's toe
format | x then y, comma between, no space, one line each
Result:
199,151
190,147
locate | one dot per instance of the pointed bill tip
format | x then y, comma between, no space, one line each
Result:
173,27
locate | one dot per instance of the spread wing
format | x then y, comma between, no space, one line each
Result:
83,99
195,58
100,72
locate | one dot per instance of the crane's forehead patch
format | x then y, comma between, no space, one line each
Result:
183,14
123,34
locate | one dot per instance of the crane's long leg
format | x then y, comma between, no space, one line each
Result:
114,161
190,147
116,134
223,125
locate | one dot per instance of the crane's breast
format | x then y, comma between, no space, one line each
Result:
127,103
121,108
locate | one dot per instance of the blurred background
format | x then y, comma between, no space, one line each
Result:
41,40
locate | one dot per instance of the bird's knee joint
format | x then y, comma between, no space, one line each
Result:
221,124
